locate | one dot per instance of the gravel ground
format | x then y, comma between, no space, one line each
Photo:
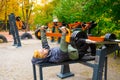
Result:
15,64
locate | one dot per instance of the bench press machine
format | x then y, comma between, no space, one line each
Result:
99,66
100,59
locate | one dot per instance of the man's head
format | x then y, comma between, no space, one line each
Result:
17,18
64,29
55,21
41,53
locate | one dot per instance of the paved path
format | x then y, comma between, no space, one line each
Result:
15,64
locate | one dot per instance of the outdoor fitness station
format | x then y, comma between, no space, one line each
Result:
105,45
14,30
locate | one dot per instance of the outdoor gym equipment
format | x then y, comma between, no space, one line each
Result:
100,59
53,31
72,27
26,36
14,30
37,34
21,26
3,39
78,39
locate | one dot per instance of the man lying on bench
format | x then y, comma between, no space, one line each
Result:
57,54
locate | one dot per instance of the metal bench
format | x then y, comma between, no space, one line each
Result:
99,66
65,70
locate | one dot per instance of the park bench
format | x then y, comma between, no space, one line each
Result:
99,65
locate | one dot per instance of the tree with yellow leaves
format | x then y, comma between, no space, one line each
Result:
7,7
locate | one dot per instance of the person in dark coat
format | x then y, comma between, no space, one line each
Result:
56,54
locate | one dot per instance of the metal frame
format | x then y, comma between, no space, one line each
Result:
99,66
14,30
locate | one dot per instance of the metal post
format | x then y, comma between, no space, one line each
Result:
40,72
16,30
12,31
34,72
98,68
100,61
105,74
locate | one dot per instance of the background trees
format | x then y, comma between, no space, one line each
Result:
26,9
6,7
104,12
